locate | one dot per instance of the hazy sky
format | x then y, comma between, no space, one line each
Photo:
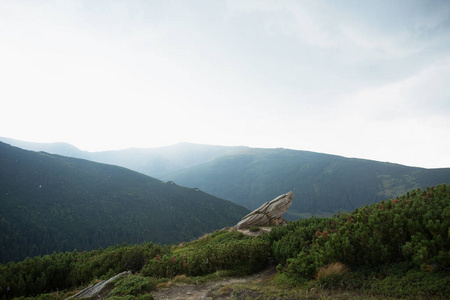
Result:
367,79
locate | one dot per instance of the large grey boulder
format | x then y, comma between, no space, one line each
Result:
270,213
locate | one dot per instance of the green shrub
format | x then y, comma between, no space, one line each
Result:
61,271
244,255
133,285
254,229
412,228
414,283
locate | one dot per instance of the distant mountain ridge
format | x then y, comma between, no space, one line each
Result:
323,184
64,149
155,162
56,203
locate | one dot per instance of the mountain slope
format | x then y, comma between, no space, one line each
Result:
55,203
162,161
53,148
322,184
155,162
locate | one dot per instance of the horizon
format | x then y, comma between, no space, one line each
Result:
362,79
200,144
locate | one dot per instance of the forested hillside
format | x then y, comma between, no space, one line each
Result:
396,248
323,184
55,203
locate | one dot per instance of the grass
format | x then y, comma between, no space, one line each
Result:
332,269
333,281
182,279
336,281
212,238
282,287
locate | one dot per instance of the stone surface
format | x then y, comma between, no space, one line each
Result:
96,289
270,213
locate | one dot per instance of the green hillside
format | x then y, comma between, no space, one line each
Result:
398,248
323,184
55,203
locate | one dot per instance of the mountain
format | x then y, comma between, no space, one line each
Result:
64,149
322,184
55,203
162,161
155,162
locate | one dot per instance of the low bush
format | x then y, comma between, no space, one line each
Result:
412,228
61,271
254,229
244,255
133,285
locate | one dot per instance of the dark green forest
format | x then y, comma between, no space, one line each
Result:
396,248
54,203
323,184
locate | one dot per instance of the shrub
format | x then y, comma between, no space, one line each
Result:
254,229
412,228
413,284
133,285
244,255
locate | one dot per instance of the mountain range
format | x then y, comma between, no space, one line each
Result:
56,203
323,184
156,162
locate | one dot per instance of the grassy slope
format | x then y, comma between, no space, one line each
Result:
54,203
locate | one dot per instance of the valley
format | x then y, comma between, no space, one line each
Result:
323,184
56,203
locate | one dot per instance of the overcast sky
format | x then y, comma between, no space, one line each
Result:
366,79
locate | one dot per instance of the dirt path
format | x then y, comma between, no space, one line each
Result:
205,291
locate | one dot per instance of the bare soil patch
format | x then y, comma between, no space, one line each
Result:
255,233
217,290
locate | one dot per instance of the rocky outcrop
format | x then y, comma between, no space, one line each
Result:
270,213
96,289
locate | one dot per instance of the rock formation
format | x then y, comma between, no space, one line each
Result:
96,289
270,213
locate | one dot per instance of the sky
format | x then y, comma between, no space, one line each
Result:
365,79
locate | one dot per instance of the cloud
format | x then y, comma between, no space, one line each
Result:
338,77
